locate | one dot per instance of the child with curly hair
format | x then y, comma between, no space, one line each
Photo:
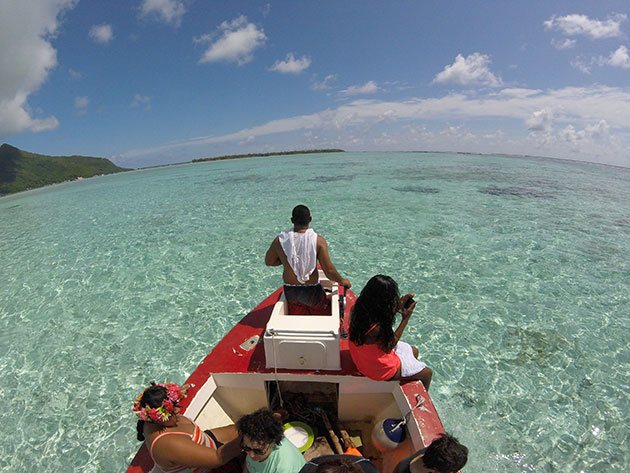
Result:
267,449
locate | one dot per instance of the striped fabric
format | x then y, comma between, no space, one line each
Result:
198,436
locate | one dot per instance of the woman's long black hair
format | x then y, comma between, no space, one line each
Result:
153,396
377,304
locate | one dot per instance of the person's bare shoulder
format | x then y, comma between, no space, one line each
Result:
273,257
321,242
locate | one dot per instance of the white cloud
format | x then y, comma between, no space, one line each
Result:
574,25
291,65
540,121
169,11
102,34
565,43
471,70
599,130
15,116
619,58
569,135
358,122
236,43
81,104
497,135
75,75
576,138
141,101
249,139
26,58
518,92
370,87
324,84
452,131
387,116
582,66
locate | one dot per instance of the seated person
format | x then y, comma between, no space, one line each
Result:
444,455
176,442
375,347
339,464
298,250
267,449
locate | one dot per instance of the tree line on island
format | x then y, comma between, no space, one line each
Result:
21,170
260,155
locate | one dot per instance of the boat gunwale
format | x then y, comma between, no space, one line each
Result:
426,426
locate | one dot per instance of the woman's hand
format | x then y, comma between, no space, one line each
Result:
406,312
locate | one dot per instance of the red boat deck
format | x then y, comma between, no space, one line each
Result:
229,357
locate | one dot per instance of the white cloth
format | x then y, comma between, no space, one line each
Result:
409,364
301,251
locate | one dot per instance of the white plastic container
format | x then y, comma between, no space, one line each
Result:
307,342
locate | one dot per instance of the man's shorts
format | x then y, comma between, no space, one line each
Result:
307,300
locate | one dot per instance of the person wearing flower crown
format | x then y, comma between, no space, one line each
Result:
176,443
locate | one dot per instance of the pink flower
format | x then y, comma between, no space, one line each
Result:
174,392
155,415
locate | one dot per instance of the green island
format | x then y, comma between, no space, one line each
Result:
21,170
258,155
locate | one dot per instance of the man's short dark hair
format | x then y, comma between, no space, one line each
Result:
261,426
445,454
301,215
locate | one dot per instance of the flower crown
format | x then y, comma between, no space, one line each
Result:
174,394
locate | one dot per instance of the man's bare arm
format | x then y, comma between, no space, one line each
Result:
272,258
327,265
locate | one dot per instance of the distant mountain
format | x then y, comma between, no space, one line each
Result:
21,170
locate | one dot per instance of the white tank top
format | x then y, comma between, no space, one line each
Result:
301,251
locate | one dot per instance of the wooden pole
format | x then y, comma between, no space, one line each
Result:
333,436
350,447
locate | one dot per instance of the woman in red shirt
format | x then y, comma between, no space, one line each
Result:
375,346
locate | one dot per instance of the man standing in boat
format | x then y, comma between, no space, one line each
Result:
299,249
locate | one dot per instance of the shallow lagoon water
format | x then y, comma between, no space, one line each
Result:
521,269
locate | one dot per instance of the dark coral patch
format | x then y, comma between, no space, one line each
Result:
524,192
417,189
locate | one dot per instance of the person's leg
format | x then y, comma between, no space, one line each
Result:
411,368
425,376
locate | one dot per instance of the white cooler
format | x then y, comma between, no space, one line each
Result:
307,342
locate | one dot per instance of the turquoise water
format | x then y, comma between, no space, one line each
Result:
521,269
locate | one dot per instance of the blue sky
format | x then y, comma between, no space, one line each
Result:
147,82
